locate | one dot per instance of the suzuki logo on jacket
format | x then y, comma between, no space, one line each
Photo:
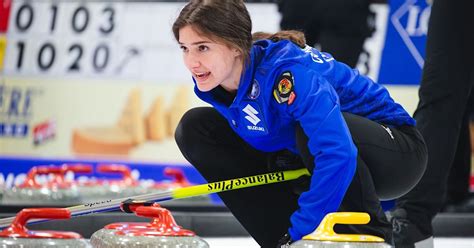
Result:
252,118
251,114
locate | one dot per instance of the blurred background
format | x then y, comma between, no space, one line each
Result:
91,92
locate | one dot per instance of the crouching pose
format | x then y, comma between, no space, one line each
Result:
278,104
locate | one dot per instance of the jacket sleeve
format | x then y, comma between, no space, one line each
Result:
360,95
316,107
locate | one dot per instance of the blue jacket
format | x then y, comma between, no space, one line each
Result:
284,84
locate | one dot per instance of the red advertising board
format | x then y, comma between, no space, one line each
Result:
4,14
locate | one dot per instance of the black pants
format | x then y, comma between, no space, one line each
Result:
459,176
446,84
340,27
385,166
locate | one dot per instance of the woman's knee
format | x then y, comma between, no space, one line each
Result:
190,127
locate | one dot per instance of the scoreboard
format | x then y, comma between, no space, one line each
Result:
48,53
104,39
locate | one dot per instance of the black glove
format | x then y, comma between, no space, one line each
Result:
284,160
285,241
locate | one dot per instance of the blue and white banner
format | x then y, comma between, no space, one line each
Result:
404,49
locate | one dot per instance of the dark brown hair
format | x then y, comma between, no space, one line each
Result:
228,21
295,36
223,20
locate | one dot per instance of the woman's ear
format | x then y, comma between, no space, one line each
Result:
237,52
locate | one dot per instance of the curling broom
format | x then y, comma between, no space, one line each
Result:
185,192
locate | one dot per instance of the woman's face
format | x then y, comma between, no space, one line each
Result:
211,63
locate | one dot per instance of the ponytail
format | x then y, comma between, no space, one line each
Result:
294,36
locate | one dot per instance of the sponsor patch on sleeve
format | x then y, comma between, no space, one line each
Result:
283,89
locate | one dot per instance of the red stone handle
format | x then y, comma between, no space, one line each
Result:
30,181
177,175
121,169
163,222
40,213
18,229
78,168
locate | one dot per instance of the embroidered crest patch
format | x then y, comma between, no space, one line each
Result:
283,89
254,90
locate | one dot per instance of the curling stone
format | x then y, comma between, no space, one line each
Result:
54,192
325,237
161,232
17,235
